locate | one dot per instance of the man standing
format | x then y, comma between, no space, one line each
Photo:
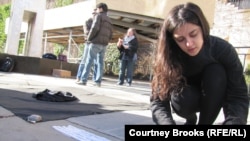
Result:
86,29
98,38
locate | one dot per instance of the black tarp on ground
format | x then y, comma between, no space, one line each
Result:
22,104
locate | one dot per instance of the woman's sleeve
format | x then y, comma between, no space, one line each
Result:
133,45
161,112
237,101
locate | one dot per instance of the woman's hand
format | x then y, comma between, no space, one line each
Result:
126,47
119,43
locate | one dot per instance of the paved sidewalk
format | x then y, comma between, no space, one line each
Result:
100,127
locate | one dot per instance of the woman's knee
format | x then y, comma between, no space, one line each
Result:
187,102
214,73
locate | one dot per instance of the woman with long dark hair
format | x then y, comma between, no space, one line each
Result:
195,72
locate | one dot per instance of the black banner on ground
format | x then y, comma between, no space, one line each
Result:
168,132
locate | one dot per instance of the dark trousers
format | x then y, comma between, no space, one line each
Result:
126,71
205,93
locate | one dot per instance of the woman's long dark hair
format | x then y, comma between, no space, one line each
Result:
168,77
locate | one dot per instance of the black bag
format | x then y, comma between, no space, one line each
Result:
7,65
50,56
54,96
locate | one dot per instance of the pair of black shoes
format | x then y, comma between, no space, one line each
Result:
119,83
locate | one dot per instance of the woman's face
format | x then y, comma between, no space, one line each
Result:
189,37
130,32
99,10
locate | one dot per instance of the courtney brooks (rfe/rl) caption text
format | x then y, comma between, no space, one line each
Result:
213,132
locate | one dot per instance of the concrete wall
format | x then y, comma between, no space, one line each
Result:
158,8
233,25
68,16
40,66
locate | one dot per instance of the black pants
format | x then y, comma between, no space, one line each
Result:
205,93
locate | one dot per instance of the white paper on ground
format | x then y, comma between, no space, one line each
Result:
79,134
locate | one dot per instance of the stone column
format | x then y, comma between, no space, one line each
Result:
31,12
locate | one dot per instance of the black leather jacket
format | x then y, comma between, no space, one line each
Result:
219,51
